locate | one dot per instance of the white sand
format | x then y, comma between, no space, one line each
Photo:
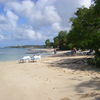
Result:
48,79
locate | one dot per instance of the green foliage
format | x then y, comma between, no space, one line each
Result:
70,46
47,43
97,61
62,36
78,34
91,61
94,61
85,31
56,42
61,40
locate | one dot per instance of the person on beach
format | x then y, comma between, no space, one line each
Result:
74,50
55,51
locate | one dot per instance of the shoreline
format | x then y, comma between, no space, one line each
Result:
43,56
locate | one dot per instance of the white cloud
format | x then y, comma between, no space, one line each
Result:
43,18
85,3
36,14
2,37
30,34
12,18
8,21
2,18
26,33
56,26
51,14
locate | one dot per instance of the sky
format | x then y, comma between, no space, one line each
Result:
31,22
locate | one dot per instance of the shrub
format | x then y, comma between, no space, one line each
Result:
94,61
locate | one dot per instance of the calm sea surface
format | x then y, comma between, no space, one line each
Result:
11,54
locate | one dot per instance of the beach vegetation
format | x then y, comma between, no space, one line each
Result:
60,41
48,44
84,32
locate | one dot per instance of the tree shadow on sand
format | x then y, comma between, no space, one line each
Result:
89,88
92,85
74,64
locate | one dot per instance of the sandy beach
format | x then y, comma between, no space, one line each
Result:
52,78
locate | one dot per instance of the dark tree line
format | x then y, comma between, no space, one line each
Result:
59,41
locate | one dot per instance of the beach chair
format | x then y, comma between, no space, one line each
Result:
25,59
35,58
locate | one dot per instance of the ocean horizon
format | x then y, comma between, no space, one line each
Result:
13,54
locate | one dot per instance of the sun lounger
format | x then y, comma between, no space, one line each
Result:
30,59
35,58
25,59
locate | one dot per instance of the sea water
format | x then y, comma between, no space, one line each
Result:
12,54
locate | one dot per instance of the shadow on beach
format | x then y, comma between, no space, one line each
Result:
74,63
80,64
93,85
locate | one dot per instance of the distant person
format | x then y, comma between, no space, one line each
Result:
74,50
55,51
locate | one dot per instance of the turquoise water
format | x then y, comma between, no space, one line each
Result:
11,54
